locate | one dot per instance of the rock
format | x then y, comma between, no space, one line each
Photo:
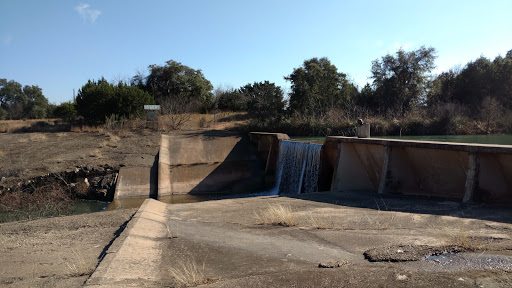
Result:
331,264
96,181
103,192
106,182
3,179
99,169
88,168
86,182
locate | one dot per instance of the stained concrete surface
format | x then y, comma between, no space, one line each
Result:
208,162
225,241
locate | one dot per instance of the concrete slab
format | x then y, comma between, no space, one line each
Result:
136,182
135,262
224,244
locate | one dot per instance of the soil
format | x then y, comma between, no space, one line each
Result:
57,252
27,155
64,251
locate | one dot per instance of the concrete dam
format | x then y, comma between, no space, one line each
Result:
218,162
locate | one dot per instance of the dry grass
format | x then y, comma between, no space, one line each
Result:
96,153
464,238
76,266
44,201
189,273
37,137
321,221
277,214
7,126
2,154
111,142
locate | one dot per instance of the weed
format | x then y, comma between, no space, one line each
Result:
44,201
37,137
278,214
189,273
78,267
95,153
321,222
202,122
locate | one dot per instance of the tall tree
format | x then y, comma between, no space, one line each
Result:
98,100
317,86
265,101
400,81
230,99
175,82
475,82
19,102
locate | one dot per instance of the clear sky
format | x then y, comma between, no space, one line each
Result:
59,45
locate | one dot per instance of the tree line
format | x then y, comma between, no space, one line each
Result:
402,86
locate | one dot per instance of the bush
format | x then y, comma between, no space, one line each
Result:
44,201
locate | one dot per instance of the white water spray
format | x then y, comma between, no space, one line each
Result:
297,167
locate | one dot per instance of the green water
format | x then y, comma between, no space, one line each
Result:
480,139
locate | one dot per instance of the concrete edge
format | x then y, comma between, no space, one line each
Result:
465,147
164,171
101,273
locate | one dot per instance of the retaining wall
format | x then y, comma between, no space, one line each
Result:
467,172
454,170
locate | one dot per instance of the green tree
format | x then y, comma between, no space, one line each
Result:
19,102
400,81
442,88
265,101
177,83
36,105
230,100
474,83
98,100
65,111
317,86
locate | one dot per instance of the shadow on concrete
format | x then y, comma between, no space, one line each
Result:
241,172
153,178
411,204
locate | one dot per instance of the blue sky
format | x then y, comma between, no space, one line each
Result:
59,45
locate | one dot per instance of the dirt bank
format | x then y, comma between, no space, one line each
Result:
57,252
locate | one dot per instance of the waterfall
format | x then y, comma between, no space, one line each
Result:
297,167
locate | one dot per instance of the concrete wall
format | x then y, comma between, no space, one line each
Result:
268,148
208,162
469,172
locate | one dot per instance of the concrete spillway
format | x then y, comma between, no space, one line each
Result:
468,172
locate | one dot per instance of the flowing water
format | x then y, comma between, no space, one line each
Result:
297,167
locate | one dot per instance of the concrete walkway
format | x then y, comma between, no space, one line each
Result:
223,244
135,259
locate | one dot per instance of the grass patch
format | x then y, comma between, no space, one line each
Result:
76,266
278,214
321,222
189,273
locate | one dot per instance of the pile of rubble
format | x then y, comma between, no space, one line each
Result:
83,182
